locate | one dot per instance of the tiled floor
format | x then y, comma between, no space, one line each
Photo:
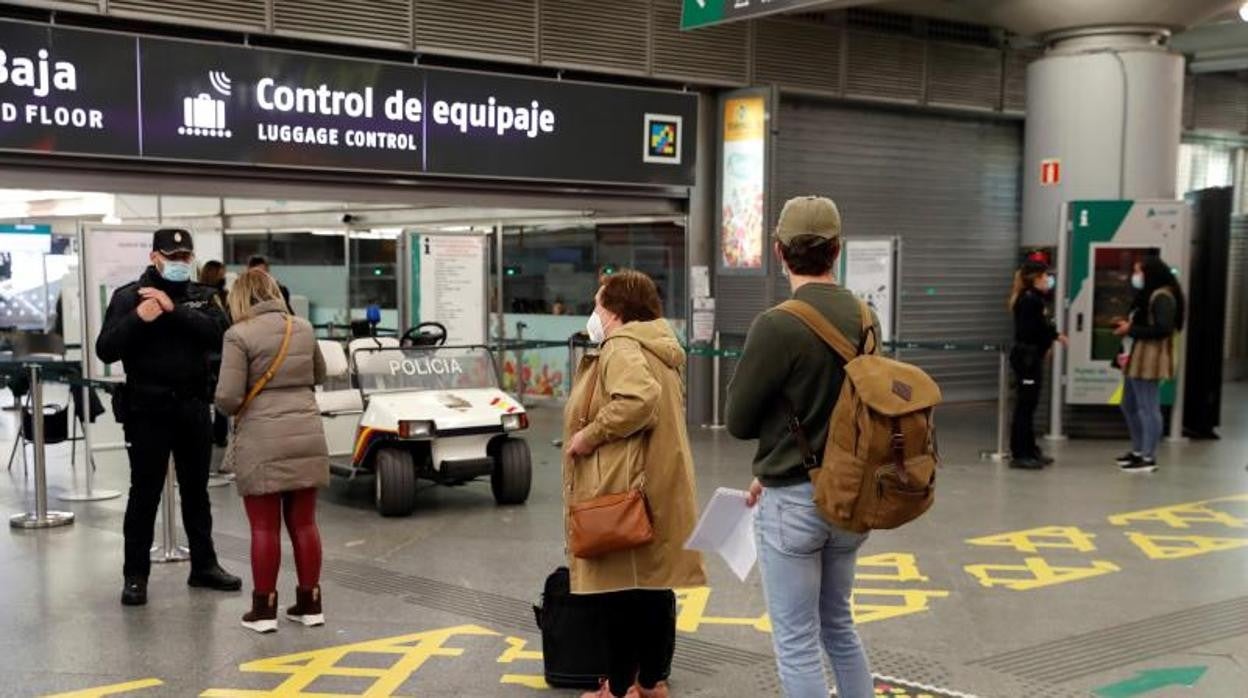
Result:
438,604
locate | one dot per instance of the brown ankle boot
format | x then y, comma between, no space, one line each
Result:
307,608
262,617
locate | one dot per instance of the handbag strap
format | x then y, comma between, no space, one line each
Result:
271,370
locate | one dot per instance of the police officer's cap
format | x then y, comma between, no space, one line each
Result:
171,241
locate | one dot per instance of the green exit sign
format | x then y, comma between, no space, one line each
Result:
704,13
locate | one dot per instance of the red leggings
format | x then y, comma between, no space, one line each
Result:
266,512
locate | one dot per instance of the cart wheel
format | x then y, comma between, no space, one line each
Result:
396,482
513,472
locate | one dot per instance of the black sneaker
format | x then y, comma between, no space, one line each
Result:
1026,463
1128,458
1143,465
1043,459
214,578
134,593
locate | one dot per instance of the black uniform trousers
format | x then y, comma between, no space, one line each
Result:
1027,362
156,429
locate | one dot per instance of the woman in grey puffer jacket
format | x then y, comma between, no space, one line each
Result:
270,367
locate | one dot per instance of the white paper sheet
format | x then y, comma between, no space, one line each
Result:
727,528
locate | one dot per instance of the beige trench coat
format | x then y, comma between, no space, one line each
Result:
637,424
278,443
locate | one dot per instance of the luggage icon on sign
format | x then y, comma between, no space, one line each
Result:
203,116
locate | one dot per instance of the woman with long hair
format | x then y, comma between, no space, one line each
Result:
270,368
212,275
1034,334
625,429
1147,358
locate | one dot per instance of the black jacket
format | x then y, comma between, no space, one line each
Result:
171,353
1031,326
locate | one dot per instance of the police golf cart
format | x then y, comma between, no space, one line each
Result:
412,409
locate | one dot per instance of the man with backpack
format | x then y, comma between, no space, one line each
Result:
786,373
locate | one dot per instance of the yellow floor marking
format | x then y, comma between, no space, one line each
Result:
1178,547
410,652
1184,515
1033,539
691,613
1042,574
537,683
516,651
912,601
112,690
903,568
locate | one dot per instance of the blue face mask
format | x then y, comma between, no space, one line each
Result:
176,272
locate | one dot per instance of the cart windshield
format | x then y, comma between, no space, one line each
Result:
423,368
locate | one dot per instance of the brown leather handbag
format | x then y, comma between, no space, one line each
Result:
612,522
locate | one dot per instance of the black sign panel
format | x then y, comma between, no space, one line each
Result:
515,127
227,104
218,103
67,91
80,92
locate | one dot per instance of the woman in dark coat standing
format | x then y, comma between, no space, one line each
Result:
1034,335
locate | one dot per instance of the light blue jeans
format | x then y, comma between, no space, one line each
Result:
808,574
1141,404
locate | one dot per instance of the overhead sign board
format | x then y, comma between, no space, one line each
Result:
704,13
79,92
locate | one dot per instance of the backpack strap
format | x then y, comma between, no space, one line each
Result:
825,330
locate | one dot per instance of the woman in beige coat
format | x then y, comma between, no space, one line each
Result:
624,428
270,365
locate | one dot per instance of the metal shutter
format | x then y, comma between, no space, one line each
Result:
238,14
798,55
950,187
590,34
715,55
1220,103
963,75
885,66
500,29
1237,301
380,22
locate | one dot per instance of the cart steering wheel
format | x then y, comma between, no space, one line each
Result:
426,334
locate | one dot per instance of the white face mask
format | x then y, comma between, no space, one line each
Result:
1137,281
597,333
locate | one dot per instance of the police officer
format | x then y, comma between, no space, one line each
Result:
163,329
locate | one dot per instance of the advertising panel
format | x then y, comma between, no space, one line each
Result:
868,269
743,183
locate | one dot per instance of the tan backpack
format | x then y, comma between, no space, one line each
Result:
879,463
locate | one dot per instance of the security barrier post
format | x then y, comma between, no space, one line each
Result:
717,421
1003,399
40,517
168,550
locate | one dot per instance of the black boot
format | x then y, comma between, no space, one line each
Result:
214,578
307,608
262,617
134,593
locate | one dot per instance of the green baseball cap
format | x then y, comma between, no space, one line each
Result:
808,215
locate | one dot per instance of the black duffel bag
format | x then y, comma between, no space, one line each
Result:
574,635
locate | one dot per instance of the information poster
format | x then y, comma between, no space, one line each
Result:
743,183
867,269
448,285
112,258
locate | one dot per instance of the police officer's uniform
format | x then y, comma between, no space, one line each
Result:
164,408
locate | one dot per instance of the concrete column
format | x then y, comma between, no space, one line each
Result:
700,251
1107,104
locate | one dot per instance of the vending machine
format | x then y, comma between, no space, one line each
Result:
1104,241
